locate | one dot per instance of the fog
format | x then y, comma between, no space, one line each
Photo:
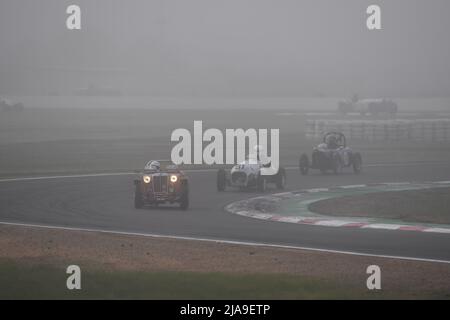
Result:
226,48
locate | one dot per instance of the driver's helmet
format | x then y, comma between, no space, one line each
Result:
332,141
154,165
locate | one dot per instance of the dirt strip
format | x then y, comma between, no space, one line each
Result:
120,252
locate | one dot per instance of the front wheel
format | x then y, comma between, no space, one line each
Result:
184,201
221,180
357,163
304,164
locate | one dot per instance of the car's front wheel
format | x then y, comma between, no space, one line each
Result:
221,180
357,163
184,201
138,202
304,164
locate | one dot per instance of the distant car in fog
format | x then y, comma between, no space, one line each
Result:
9,105
368,106
161,185
97,91
247,174
331,155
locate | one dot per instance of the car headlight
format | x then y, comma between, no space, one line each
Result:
173,178
146,179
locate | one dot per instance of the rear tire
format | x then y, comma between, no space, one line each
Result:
304,164
261,183
221,180
337,164
281,178
357,163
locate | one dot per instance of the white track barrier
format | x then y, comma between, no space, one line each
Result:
431,130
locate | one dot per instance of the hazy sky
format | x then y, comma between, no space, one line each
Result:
227,47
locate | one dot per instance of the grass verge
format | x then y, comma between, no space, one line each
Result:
19,281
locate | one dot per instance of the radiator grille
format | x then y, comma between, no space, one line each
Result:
160,184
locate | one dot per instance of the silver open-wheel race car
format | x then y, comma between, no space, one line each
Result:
157,185
248,175
331,155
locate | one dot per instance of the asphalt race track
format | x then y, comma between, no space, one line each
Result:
106,203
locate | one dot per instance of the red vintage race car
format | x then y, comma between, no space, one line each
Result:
157,185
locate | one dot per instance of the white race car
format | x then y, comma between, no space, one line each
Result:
247,175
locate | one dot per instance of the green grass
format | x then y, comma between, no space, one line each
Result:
18,281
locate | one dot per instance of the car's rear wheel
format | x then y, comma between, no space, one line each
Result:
281,178
337,164
357,163
304,164
138,202
221,180
261,183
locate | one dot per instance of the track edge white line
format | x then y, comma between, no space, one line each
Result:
222,241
